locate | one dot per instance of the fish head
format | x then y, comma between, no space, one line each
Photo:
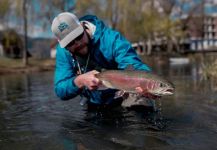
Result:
163,88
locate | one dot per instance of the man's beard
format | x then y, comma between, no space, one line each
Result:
83,50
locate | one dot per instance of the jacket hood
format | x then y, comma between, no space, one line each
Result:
100,26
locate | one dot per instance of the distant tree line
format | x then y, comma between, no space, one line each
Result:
138,20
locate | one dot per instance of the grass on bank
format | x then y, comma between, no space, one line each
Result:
209,70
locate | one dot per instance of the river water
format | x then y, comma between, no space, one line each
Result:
33,118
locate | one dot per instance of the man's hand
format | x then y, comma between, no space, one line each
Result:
88,80
140,91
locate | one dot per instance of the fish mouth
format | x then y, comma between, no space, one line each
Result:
169,92
163,92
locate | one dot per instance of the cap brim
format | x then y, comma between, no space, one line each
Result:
71,36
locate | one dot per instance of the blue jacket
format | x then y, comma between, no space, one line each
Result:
109,49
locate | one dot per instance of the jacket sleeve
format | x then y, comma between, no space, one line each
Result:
124,54
65,75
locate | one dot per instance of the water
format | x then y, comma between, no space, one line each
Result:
32,117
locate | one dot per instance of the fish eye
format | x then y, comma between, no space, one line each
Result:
162,85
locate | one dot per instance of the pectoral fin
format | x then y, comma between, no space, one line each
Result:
119,94
102,87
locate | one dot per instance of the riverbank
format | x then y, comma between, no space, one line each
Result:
207,61
8,65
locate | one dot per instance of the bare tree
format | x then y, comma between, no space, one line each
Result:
25,26
170,27
48,10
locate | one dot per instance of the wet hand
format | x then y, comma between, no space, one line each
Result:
88,80
144,93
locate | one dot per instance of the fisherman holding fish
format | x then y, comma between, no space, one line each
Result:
86,46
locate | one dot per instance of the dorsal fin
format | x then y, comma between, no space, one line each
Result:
103,69
130,67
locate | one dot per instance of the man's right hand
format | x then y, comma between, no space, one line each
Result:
88,80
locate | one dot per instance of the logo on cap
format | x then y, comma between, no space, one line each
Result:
63,26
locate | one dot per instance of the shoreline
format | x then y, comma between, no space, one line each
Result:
10,66
29,69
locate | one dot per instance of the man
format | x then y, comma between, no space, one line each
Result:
85,47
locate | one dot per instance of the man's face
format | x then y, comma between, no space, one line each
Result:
79,46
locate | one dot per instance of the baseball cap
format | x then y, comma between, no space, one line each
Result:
66,27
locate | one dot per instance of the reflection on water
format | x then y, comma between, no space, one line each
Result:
32,117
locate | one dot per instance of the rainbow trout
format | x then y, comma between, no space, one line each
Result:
128,80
